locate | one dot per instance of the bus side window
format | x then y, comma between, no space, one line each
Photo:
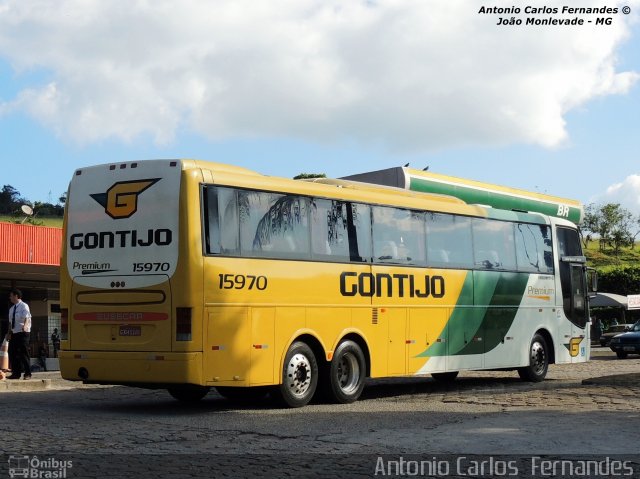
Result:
228,220
274,225
448,241
221,220
399,236
438,256
533,248
212,225
494,244
359,232
329,237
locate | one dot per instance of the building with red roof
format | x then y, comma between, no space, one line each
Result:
30,261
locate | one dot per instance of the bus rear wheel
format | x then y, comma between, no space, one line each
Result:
538,361
347,373
188,393
299,376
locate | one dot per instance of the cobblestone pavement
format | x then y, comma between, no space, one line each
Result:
582,409
605,383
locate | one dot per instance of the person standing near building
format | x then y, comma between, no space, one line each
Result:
19,332
55,340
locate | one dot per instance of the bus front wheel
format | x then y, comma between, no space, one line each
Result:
347,373
299,376
538,361
190,393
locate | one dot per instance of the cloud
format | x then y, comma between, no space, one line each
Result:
411,74
626,193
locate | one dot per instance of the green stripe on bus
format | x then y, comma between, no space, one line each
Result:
495,199
501,310
463,313
481,320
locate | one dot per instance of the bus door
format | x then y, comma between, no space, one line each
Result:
575,305
574,333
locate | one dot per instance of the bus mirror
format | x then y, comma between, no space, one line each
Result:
592,281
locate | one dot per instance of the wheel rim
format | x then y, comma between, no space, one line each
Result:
348,373
538,358
299,375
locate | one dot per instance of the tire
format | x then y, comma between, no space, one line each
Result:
346,374
622,354
189,393
243,394
538,361
299,376
445,377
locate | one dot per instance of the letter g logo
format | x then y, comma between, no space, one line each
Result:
121,200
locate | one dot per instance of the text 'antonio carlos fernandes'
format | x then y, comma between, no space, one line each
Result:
534,466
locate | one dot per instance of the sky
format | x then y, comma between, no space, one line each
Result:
325,86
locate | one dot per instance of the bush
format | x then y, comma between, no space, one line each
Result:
622,281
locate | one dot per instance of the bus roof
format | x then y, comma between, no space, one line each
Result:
475,192
393,187
228,175
362,186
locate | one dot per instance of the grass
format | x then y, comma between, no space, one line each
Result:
608,259
54,221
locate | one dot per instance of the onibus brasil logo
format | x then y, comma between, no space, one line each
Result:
121,200
34,467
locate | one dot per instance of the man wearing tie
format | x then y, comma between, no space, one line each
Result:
19,329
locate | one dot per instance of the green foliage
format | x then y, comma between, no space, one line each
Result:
11,203
307,176
622,281
48,209
617,272
603,258
10,200
55,221
614,225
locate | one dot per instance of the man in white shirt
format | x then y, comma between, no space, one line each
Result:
19,332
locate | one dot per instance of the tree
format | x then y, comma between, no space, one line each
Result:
590,223
10,199
612,223
48,209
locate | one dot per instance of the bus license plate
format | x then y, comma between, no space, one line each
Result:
130,330
629,348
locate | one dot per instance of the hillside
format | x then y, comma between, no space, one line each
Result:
608,260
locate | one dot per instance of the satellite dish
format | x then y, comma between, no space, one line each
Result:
28,211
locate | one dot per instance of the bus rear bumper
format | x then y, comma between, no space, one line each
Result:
154,370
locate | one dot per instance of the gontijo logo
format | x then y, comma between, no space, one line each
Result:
121,200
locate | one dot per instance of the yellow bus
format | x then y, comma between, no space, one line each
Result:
187,275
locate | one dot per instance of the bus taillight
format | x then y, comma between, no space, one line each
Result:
183,324
64,323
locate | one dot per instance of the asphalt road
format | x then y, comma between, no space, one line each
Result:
584,410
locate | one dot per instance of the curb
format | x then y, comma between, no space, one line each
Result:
40,381
25,385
